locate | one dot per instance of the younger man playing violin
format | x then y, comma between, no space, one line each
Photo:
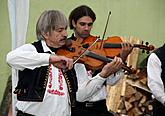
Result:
91,93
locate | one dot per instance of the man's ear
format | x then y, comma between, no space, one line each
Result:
45,35
73,23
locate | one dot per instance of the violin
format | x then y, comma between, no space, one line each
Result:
91,59
112,45
75,50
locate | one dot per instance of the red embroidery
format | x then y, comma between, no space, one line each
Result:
56,92
89,73
60,76
60,80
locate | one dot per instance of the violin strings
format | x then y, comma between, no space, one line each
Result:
86,50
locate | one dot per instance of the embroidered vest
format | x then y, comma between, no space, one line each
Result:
32,83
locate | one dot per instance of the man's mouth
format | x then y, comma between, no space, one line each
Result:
63,40
85,32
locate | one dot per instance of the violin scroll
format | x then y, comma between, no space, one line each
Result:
146,47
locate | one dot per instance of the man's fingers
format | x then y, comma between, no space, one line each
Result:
69,64
61,62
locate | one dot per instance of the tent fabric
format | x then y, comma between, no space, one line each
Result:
18,17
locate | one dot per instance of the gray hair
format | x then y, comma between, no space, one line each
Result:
49,21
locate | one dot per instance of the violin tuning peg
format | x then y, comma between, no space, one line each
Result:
147,52
143,51
142,42
130,66
134,71
147,43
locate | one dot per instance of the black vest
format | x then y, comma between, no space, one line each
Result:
32,83
160,52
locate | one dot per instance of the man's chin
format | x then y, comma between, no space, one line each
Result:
85,35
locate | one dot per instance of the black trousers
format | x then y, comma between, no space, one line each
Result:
158,109
20,113
98,108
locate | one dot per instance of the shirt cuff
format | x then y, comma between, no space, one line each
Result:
45,58
99,78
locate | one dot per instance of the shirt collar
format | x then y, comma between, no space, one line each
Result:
45,47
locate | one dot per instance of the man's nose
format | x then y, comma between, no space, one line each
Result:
65,33
87,27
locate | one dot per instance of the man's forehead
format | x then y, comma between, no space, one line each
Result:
61,27
85,19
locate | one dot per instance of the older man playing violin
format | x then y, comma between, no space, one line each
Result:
91,93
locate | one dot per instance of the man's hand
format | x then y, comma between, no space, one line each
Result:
126,50
112,67
61,62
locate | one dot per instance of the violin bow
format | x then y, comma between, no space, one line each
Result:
86,50
105,29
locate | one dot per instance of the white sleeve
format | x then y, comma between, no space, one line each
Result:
87,85
26,56
154,77
114,78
